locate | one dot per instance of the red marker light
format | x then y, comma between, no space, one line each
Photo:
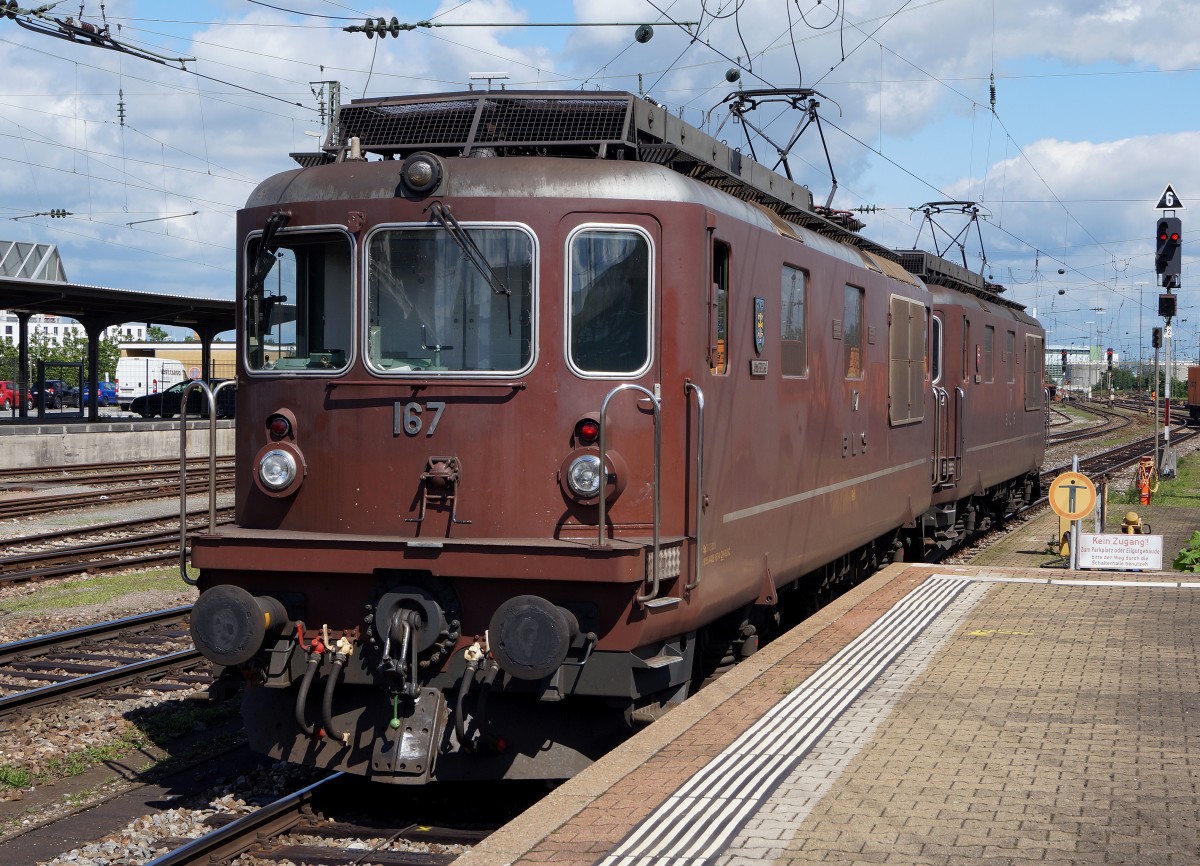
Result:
279,426
588,431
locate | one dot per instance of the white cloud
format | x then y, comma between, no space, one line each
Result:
911,81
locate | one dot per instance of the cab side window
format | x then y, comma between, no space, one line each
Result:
609,325
852,331
793,323
718,345
1010,353
989,348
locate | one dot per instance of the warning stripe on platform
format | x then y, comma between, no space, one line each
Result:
697,822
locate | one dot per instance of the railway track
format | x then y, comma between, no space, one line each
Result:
289,830
104,473
153,489
115,546
309,827
153,650
1110,423
1119,457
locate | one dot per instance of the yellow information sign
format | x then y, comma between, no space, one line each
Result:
1072,495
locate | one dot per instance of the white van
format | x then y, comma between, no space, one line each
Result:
138,376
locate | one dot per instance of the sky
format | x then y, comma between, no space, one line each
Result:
1093,116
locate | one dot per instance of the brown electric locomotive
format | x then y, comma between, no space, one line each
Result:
547,402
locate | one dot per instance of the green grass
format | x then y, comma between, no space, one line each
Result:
1182,490
14,777
149,726
61,595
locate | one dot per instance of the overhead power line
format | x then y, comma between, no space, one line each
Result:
80,32
89,35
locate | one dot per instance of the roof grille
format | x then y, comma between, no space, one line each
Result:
487,120
942,272
615,125
308,160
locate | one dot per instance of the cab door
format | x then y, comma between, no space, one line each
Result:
613,345
949,397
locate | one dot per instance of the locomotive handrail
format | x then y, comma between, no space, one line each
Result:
211,395
962,433
657,404
940,399
687,387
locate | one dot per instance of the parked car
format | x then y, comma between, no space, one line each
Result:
8,395
146,376
165,404
106,394
60,393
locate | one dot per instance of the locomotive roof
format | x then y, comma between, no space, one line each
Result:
606,126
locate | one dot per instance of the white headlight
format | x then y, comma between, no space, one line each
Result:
583,476
277,469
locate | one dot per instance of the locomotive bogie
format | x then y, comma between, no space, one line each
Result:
529,444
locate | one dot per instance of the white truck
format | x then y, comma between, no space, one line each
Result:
138,376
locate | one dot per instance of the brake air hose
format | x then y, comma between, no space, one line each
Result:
489,677
473,655
344,649
315,650
310,673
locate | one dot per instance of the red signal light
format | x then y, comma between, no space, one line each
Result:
278,426
587,431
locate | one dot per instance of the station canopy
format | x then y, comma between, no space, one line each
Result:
33,280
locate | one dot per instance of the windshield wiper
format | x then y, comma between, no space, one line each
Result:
262,266
471,252
266,249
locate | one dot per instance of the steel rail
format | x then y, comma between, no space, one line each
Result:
87,684
239,836
74,636
36,472
91,529
43,504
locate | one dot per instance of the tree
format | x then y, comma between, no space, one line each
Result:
8,360
71,350
155,334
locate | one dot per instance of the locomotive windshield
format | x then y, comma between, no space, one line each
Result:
437,304
298,312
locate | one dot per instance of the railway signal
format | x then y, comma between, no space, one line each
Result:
1168,255
1110,359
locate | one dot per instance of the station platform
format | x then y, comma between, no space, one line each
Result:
33,443
932,715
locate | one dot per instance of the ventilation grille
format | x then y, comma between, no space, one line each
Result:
939,271
487,120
